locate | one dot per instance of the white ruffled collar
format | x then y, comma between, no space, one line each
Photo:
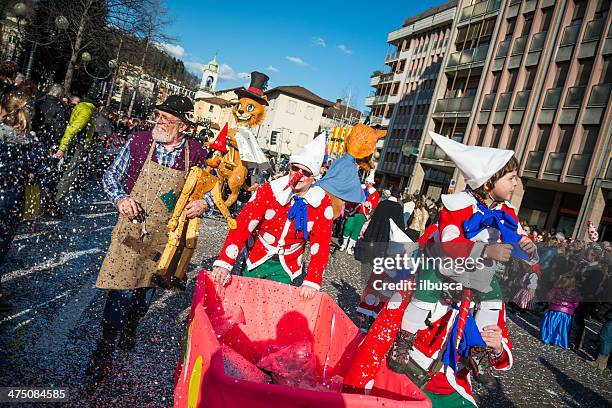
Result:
463,199
314,196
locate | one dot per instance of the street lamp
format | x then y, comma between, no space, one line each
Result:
21,11
86,59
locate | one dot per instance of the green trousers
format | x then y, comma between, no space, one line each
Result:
71,172
271,270
353,225
453,400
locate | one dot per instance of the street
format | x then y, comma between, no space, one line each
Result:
47,339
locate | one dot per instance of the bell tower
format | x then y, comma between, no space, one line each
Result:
210,74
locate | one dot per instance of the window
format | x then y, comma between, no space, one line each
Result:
527,26
309,113
561,74
565,139
584,72
512,80
543,138
514,134
546,19
210,109
273,137
589,139
510,28
291,107
529,78
497,131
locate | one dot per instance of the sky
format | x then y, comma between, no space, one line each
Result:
328,47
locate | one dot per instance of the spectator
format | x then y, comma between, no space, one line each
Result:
419,221
8,72
557,322
77,139
409,206
49,123
19,147
589,279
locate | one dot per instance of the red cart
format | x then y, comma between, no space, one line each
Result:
274,315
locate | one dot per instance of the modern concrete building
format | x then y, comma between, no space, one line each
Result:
404,93
533,76
292,119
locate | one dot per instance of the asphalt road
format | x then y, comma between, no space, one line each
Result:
47,339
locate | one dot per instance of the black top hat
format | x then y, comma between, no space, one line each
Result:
259,82
179,106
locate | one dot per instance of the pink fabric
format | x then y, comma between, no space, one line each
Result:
275,315
563,300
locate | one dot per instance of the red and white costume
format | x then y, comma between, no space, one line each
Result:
264,227
369,205
477,164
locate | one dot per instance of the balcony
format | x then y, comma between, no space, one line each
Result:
592,34
519,45
568,40
380,99
593,30
552,98
574,97
454,105
608,175
433,152
469,56
369,101
522,98
374,80
538,41
504,101
503,49
479,9
392,56
386,77
570,35
555,163
579,165
600,96
534,161
487,102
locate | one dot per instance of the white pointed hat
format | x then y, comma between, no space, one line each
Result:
476,163
370,178
311,155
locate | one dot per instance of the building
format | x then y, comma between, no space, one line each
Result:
150,90
11,37
292,119
339,115
535,77
404,93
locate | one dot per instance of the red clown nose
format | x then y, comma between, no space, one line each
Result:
296,177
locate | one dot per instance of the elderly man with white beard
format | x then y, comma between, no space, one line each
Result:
144,182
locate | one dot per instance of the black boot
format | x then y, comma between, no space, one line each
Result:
127,339
101,363
398,355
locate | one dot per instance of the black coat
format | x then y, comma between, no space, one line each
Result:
376,236
50,120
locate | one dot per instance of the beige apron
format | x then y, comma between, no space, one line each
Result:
131,261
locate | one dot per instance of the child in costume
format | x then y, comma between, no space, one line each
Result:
557,321
424,334
354,223
525,295
278,221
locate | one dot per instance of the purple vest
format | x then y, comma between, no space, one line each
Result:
139,147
